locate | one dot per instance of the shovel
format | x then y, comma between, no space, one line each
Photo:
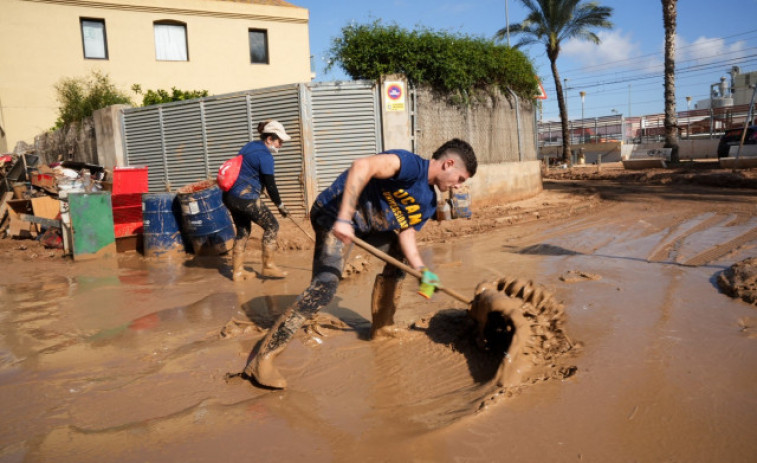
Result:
406,268
391,260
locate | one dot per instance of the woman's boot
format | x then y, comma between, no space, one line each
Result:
270,270
238,273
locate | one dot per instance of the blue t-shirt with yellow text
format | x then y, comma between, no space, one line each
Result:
396,203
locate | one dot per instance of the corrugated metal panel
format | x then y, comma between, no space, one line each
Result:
182,134
345,126
143,144
282,104
227,129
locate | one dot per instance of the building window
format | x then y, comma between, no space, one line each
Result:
93,38
171,41
258,46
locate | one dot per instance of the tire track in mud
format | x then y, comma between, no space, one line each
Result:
721,249
669,245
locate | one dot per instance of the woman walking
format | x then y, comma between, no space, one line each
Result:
244,202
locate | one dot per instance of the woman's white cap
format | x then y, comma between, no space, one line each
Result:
277,129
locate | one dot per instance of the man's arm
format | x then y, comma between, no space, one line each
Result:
410,248
361,172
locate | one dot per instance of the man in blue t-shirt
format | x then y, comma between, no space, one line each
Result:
384,199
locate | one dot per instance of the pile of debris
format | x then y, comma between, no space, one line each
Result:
30,193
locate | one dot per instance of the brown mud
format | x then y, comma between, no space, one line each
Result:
127,359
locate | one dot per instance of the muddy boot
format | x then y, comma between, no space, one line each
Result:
384,302
238,273
261,366
270,270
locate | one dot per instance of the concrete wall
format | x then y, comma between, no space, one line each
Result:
41,42
490,126
687,149
109,136
507,181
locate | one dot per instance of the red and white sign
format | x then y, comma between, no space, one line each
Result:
395,96
542,95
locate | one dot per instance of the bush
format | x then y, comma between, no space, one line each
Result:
452,64
79,97
161,96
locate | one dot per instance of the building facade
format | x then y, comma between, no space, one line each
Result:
221,46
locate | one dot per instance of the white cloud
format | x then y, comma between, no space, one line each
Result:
613,49
706,50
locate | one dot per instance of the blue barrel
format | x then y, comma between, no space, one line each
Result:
161,214
461,203
205,219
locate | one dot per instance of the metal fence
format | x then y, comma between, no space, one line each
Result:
330,124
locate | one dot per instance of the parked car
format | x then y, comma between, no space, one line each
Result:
732,137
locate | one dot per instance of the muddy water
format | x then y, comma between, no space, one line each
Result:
126,362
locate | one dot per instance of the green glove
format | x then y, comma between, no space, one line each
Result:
429,283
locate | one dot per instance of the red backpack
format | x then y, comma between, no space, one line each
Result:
228,173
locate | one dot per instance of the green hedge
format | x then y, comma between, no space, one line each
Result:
451,64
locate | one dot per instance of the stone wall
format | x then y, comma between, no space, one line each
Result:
75,142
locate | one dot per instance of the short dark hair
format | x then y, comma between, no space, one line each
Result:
462,149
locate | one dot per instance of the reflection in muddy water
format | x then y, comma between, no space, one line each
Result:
176,325
30,319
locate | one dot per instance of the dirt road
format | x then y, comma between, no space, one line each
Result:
127,361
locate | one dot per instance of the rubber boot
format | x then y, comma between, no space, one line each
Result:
261,366
384,302
238,273
270,270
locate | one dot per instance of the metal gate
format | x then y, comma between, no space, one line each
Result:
345,121
185,142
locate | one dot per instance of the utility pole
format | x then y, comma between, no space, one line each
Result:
688,117
507,23
567,114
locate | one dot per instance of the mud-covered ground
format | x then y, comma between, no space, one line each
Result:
127,360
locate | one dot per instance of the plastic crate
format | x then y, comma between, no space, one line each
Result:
129,180
127,200
128,229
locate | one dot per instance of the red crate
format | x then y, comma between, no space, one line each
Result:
129,180
129,200
128,229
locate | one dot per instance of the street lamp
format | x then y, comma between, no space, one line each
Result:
583,98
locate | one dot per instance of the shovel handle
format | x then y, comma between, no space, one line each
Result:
406,268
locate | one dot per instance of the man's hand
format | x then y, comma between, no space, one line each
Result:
283,210
343,230
429,283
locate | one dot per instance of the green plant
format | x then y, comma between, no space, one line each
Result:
79,97
452,64
161,96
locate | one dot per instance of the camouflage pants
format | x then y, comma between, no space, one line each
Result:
246,211
328,264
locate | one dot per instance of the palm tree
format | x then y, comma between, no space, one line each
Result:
669,15
550,22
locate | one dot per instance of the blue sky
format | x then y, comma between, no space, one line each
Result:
623,73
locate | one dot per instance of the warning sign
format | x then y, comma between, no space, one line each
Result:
395,96
541,95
